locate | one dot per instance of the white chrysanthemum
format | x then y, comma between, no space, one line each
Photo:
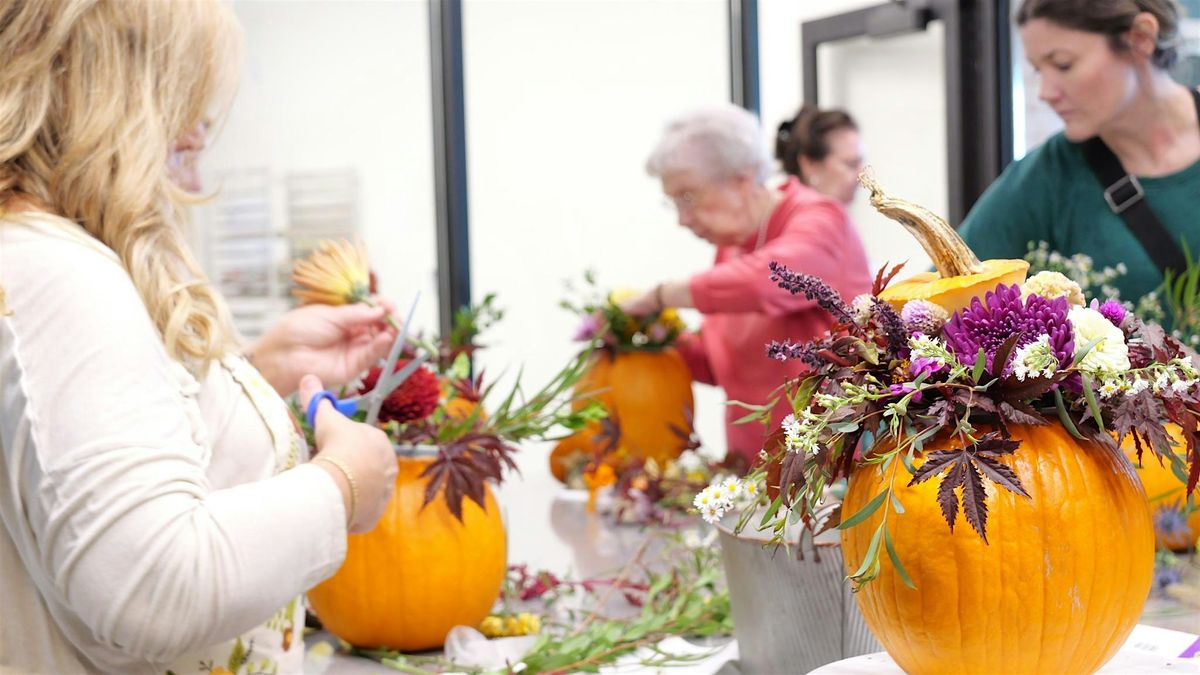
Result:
703,499
861,308
1182,386
711,513
1052,285
1109,354
750,489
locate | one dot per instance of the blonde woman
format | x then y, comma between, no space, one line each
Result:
157,512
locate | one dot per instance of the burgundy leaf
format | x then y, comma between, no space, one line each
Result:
791,474
1003,352
941,412
1021,413
1000,474
1141,415
946,497
975,400
1194,471
1018,391
992,445
934,463
973,505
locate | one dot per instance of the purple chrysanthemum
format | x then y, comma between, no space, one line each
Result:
988,324
1112,310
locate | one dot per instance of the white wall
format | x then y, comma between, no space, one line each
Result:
332,84
565,99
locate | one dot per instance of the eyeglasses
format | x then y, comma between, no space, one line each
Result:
685,201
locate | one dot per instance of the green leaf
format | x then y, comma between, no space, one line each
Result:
872,556
980,364
896,505
847,427
1090,394
775,504
891,550
1064,417
1080,354
865,512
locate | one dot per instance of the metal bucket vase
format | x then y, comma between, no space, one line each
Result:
789,615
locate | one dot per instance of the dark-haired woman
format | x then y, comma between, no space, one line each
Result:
823,149
1103,69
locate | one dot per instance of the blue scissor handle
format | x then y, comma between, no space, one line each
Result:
347,407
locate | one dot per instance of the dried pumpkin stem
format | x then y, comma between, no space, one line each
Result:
949,253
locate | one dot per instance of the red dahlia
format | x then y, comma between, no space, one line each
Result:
415,399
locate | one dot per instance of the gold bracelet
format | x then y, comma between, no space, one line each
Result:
341,466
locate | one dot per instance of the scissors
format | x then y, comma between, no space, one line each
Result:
372,401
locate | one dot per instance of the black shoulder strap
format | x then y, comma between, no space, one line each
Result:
1125,197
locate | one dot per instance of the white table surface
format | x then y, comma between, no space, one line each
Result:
1148,650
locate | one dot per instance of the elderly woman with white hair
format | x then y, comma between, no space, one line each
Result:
714,165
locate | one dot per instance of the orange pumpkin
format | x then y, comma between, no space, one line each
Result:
418,574
1058,589
647,393
1165,491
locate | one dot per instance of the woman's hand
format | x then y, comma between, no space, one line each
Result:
335,343
358,456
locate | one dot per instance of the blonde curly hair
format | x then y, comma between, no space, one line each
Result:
93,93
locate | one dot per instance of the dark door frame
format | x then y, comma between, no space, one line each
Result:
979,124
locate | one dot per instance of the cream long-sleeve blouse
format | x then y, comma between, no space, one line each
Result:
149,522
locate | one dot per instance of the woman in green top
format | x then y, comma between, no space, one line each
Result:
1103,69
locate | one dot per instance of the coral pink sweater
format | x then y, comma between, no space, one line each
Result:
744,311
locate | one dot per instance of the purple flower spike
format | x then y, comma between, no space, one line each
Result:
989,323
1112,310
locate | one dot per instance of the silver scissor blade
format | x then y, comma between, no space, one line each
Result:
389,385
376,396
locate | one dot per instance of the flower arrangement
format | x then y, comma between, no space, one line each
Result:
443,406
603,321
649,493
888,380
641,381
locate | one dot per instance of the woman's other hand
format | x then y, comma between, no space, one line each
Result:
335,343
358,456
643,303
667,294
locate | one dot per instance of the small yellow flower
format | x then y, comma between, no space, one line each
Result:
337,273
619,295
492,626
531,624
511,625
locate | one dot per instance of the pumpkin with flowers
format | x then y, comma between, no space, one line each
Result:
979,419
455,438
